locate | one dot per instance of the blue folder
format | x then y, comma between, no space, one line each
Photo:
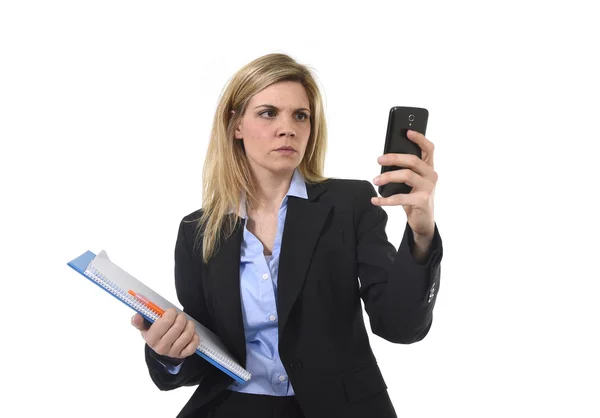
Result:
102,272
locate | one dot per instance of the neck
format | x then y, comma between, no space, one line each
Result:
270,190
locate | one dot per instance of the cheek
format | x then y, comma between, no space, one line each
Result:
255,135
305,136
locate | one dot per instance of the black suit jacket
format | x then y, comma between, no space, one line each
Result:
330,239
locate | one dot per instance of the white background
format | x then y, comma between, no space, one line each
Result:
105,113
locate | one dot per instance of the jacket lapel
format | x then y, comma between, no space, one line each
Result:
224,270
303,224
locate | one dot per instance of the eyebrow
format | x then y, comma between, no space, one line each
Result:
276,108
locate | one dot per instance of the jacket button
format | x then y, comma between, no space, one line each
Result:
296,366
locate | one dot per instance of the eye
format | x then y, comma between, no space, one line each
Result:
270,112
303,116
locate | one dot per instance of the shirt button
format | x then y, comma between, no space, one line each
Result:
282,378
272,317
265,276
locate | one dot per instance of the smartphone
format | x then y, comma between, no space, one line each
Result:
400,120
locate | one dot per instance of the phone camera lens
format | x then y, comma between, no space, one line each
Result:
411,118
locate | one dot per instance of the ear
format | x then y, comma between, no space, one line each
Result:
238,132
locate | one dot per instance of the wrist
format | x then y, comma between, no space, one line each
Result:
422,246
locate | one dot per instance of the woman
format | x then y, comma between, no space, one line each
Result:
272,260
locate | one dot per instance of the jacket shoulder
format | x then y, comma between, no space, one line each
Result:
349,187
193,217
189,229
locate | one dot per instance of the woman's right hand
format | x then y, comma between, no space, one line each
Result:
171,335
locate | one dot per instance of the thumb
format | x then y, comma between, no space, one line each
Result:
138,321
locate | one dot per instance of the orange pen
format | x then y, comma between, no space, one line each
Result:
147,302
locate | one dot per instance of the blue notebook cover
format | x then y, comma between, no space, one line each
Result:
112,285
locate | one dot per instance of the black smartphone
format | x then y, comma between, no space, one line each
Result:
401,120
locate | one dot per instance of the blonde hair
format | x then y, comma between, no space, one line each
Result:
226,173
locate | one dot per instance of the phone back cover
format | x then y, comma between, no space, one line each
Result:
397,142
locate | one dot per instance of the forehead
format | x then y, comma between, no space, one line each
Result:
284,93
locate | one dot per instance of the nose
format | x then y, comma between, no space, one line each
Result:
287,127
287,132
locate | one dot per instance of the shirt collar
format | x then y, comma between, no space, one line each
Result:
298,186
297,189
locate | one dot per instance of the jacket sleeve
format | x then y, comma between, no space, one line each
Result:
188,285
399,294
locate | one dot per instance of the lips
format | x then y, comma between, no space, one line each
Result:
285,149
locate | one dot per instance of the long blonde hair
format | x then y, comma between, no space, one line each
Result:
226,173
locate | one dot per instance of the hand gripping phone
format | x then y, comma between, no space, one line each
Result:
400,120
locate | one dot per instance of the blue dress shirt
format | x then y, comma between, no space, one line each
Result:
258,291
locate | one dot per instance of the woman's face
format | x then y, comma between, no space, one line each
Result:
275,128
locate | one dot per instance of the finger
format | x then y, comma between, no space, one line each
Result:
192,345
407,161
160,327
420,200
423,143
404,176
183,340
165,344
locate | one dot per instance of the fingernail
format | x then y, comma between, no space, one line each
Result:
376,180
380,159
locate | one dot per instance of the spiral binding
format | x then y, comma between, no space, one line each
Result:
112,288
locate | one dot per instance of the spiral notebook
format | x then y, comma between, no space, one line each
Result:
99,269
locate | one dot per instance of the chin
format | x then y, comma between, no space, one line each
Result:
286,169
282,168
278,166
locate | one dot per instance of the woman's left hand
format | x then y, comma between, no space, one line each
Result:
419,173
